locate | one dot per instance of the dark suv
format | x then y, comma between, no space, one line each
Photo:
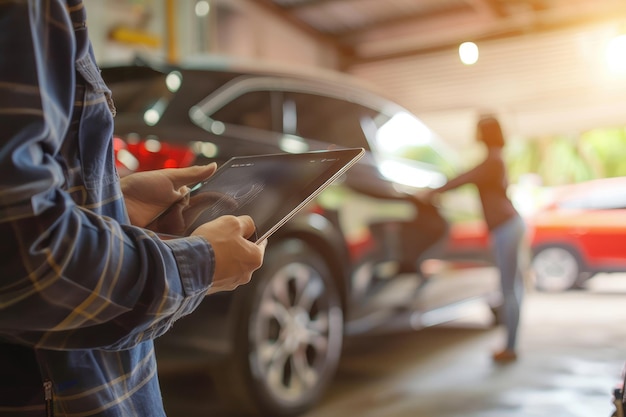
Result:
364,256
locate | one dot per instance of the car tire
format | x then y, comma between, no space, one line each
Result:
289,335
556,268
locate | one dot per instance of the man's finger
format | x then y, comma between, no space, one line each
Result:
189,175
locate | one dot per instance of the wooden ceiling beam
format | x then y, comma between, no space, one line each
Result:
283,14
409,19
492,7
312,4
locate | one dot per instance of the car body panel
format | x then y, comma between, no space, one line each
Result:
588,217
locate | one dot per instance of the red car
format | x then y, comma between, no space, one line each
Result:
581,232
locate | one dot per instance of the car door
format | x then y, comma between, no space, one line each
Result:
596,223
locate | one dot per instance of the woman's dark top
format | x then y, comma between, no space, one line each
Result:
491,180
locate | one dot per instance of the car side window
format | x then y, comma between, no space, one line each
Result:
325,119
252,109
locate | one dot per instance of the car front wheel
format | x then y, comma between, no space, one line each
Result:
289,335
555,269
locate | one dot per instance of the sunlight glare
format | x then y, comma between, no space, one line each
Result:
616,55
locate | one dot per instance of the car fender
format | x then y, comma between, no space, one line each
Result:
219,311
318,232
326,238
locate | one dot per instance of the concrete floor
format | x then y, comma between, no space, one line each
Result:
572,347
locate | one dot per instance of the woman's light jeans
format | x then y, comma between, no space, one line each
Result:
506,241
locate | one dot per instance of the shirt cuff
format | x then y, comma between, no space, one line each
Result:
196,263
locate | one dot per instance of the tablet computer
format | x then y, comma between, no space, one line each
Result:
269,188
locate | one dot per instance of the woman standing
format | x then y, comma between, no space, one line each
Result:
506,227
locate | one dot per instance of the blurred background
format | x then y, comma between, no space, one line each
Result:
552,71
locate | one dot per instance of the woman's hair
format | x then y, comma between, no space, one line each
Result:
489,132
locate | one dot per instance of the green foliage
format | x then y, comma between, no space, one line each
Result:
563,159
522,157
605,150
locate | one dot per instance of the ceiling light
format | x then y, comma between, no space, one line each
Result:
202,8
468,52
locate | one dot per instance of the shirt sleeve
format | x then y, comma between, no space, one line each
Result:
70,277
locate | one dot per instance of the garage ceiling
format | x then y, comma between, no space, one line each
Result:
541,66
372,30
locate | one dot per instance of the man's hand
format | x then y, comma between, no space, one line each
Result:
148,193
236,258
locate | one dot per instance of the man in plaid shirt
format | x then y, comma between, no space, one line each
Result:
84,289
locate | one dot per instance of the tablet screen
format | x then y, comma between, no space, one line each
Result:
268,188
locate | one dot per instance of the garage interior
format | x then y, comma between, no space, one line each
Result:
541,69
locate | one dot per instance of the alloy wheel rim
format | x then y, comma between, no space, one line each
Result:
293,332
555,269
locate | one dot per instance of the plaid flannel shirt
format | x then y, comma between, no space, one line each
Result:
82,293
